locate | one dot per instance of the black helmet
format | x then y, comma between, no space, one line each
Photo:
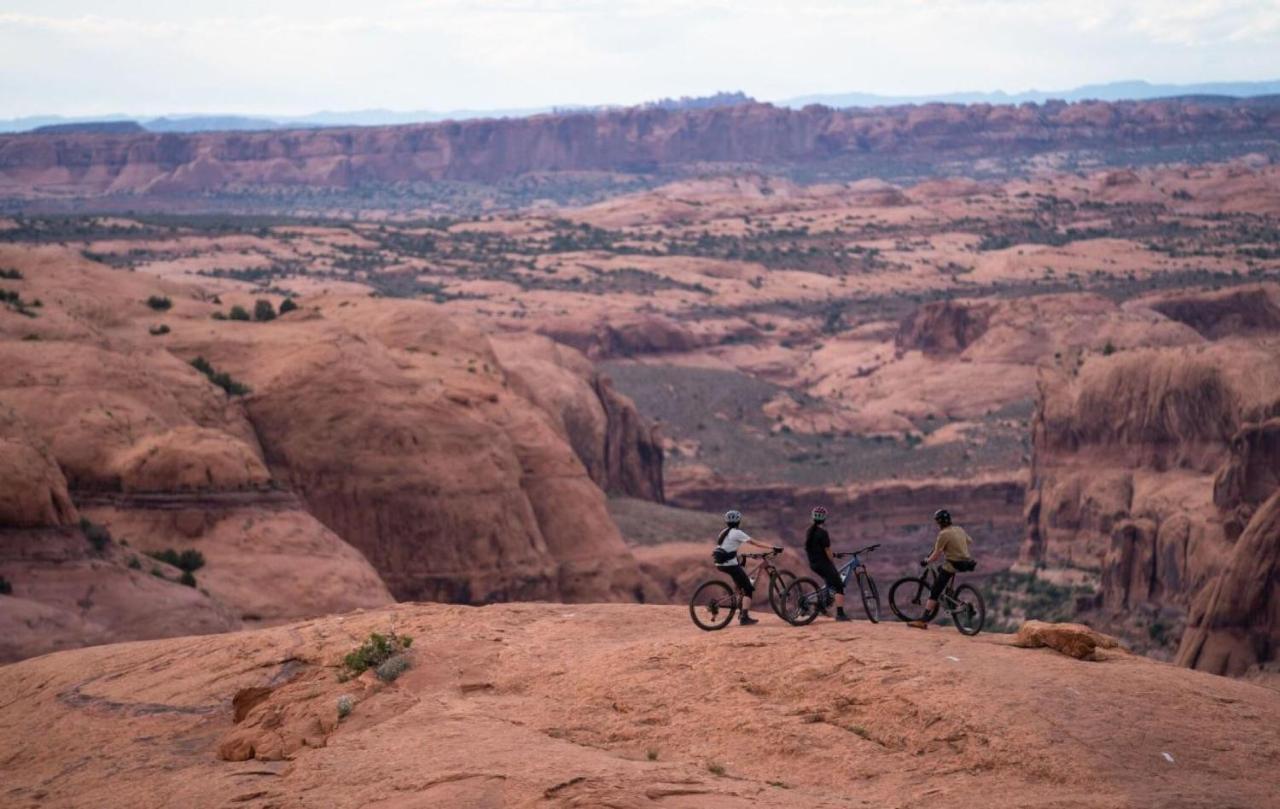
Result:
942,517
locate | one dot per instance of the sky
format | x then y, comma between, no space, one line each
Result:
286,57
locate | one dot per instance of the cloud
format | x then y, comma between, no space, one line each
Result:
153,56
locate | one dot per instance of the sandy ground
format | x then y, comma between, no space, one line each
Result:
528,705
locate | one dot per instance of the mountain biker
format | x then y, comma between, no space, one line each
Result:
731,539
817,545
954,544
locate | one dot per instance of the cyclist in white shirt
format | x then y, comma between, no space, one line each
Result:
730,541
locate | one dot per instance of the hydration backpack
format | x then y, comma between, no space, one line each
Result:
721,556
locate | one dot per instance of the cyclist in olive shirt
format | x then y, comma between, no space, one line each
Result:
955,545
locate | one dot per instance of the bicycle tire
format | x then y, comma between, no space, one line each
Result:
870,596
800,602
777,588
972,603
908,603
713,605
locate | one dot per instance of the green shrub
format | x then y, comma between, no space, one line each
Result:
31,338
189,560
238,312
5,587
220,378
287,305
345,704
1108,349
156,331
98,535
375,651
263,310
12,275
187,579
219,315
134,564
159,302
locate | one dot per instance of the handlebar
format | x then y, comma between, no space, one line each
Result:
867,549
764,555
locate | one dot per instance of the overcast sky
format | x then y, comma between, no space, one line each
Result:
144,57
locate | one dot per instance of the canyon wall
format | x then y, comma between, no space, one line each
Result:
376,449
641,140
1151,468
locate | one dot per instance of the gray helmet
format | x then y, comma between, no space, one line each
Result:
732,517
942,517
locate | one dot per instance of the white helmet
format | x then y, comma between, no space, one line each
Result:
732,517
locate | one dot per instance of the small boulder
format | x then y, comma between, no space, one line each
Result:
1073,640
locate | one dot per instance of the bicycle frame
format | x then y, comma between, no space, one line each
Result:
948,597
846,571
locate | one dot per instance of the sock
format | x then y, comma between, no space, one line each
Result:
839,610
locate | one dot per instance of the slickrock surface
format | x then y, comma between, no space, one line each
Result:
532,705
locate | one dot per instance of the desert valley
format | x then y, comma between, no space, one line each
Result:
320,384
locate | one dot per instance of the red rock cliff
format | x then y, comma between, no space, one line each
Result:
83,164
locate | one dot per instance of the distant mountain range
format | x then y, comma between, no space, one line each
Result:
1114,91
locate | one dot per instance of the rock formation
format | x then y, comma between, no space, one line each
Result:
1147,466
382,449
642,140
546,705
622,453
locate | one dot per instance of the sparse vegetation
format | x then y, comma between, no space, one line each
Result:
263,311
651,754
715,768
220,378
189,560
157,330
287,305
160,303
376,651
392,668
238,312
97,535
345,706
6,588
10,274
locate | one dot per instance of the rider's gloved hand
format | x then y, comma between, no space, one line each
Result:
777,549
924,563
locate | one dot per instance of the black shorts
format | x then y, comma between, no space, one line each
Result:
740,578
827,570
940,583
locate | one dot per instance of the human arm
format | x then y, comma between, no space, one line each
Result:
938,547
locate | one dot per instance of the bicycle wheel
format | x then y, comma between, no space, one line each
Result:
970,613
801,602
713,605
870,596
777,588
907,598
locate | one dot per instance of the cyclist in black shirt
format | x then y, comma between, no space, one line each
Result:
817,545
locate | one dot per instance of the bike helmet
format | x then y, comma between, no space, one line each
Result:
819,514
942,517
732,518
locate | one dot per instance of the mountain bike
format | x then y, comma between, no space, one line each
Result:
716,601
805,598
908,597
